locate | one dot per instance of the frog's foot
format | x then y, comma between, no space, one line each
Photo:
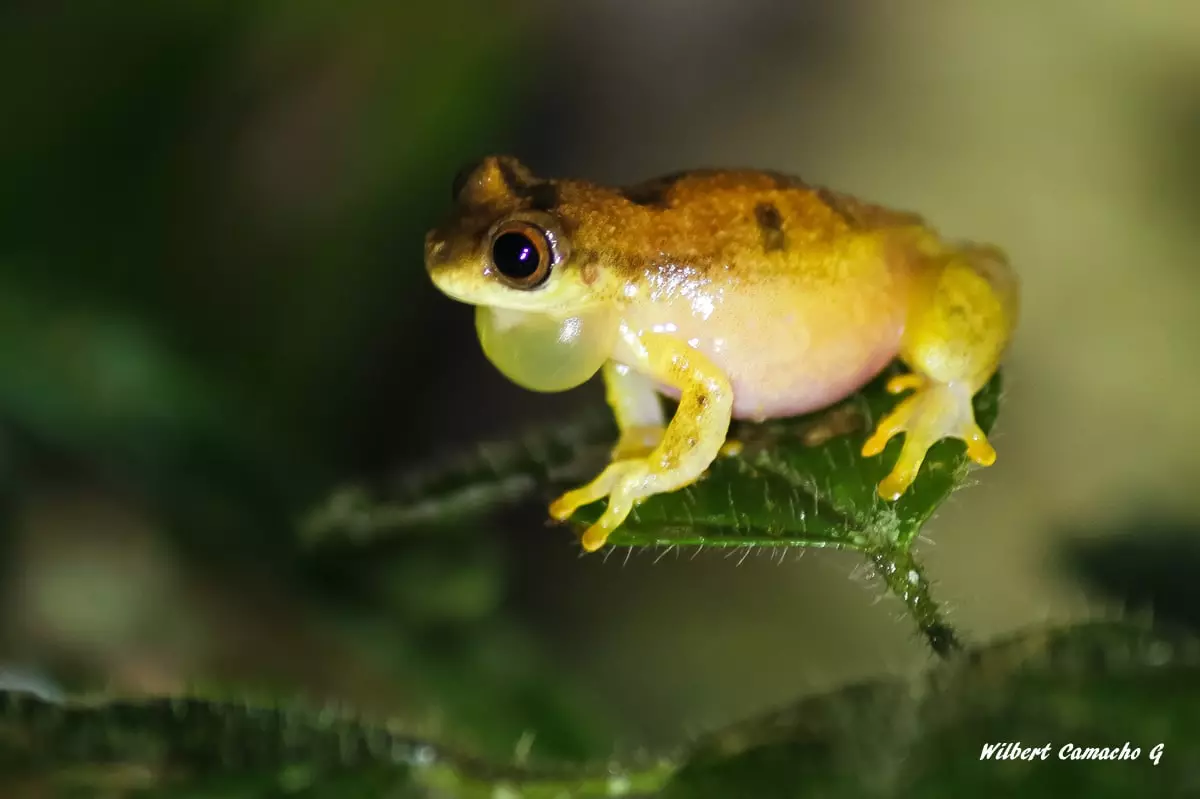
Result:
638,442
933,412
624,482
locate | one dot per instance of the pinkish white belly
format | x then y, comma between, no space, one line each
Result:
784,359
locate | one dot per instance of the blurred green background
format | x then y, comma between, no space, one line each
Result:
213,309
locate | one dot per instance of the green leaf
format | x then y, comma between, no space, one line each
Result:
798,482
182,747
464,485
1095,685
1099,685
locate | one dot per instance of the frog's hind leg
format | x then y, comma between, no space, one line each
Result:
961,318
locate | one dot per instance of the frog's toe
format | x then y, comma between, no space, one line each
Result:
905,471
565,506
597,535
890,426
896,483
979,449
934,412
898,384
623,482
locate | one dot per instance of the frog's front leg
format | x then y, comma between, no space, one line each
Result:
962,315
638,410
688,445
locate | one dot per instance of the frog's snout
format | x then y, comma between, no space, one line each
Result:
445,268
439,261
435,246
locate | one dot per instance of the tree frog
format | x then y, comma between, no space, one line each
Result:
742,294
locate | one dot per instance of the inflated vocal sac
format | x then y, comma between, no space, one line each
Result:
546,353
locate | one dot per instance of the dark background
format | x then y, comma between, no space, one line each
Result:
213,309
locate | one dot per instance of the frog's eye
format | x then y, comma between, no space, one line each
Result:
522,254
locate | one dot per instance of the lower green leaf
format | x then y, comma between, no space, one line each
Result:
197,747
1114,706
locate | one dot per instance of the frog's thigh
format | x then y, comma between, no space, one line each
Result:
957,330
637,408
690,443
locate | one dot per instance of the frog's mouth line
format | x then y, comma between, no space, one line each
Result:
442,286
495,300
449,281
485,295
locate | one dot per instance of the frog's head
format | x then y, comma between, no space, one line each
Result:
504,246
506,249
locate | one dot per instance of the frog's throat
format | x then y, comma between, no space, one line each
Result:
546,353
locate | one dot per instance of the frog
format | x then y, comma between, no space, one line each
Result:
741,294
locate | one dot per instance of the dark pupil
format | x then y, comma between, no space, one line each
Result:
515,255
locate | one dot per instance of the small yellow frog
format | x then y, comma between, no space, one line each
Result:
743,294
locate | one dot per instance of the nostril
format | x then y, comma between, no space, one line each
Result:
433,246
